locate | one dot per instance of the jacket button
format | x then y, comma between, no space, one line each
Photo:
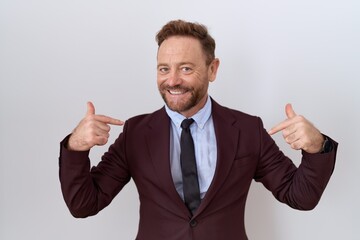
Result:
193,223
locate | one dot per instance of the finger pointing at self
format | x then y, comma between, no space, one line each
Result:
101,118
92,130
298,132
290,113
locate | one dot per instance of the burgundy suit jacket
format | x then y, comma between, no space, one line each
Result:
141,152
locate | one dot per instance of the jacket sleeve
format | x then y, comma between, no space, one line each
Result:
87,190
299,187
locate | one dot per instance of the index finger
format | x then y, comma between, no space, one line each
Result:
109,120
281,126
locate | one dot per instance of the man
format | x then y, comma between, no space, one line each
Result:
231,148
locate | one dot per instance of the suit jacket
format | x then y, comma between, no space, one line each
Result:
141,152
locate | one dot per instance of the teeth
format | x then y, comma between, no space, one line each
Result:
176,92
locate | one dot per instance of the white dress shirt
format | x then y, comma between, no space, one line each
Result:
203,133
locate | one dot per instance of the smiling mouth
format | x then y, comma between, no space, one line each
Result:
177,92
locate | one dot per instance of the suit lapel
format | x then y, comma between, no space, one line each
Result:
158,136
158,140
227,137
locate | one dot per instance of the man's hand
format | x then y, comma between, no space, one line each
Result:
299,133
92,130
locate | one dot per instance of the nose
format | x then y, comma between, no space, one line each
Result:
174,78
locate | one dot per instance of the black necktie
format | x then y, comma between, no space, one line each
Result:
188,167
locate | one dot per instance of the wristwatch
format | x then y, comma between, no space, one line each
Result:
327,146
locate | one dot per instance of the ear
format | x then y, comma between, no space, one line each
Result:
213,67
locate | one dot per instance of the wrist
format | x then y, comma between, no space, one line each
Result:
72,144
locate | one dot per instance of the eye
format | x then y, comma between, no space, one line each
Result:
163,69
186,69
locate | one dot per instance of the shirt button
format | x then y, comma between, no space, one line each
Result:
193,223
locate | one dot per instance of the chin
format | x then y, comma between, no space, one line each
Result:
178,107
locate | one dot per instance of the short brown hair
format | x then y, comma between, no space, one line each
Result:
196,30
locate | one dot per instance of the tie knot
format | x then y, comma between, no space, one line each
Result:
186,123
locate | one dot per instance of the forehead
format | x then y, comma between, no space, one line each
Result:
180,47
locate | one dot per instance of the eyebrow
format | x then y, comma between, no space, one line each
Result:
178,64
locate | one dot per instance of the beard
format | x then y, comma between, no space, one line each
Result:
184,103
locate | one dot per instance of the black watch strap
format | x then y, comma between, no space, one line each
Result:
327,145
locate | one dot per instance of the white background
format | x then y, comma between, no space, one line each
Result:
56,55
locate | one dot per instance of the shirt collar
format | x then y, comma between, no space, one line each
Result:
200,117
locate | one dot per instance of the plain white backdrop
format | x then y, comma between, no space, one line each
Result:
56,55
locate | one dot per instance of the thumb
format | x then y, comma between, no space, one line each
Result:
90,109
290,113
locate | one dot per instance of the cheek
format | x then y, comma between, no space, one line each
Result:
196,79
201,80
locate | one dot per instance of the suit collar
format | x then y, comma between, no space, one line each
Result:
200,118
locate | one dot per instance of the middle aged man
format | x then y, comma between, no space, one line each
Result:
192,183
